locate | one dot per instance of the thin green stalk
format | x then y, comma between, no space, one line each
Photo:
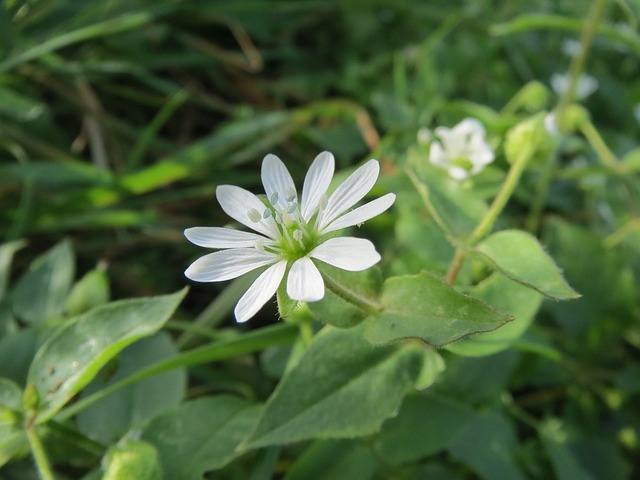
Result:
597,143
39,454
279,334
578,62
509,185
485,225
359,301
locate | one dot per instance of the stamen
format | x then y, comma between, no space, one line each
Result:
274,198
292,208
267,213
254,215
287,220
291,194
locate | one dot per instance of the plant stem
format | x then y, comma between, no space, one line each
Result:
577,64
39,454
359,301
491,216
596,142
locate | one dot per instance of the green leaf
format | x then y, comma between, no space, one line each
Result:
336,310
200,435
111,417
425,425
13,440
487,444
72,357
521,302
334,460
423,306
342,387
519,256
41,292
90,291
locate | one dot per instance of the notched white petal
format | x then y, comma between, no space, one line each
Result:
219,237
260,291
362,214
347,253
228,264
316,183
238,202
277,181
350,191
304,282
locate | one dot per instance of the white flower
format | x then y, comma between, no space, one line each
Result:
462,150
292,232
586,85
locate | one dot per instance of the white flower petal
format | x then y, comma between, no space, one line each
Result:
350,191
316,183
304,282
228,264
437,156
458,173
277,180
238,202
218,237
347,253
260,291
362,214
468,126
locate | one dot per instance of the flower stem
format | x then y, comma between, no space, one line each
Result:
491,216
39,454
577,64
360,301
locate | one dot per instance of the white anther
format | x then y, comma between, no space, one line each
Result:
254,215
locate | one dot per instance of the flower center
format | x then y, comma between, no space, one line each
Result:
297,237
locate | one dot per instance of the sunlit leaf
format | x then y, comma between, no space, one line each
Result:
519,256
72,357
424,307
341,388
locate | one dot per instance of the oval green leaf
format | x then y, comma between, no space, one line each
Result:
72,356
424,307
519,256
341,388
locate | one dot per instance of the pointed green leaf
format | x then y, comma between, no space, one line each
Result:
200,435
41,292
423,306
88,292
509,296
342,388
338,311
519,256
72,356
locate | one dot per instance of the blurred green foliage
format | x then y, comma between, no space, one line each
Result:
119,118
